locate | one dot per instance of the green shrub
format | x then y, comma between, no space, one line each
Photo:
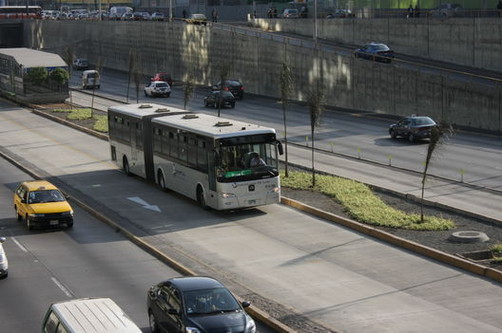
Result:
497,250
60,75
80,114
37,75
362,204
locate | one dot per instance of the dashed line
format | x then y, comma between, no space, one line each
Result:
19,244
63,288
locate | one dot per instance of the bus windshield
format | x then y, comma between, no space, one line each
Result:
246,162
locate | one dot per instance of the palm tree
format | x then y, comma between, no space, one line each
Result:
68,56
439,135
315,100
286,83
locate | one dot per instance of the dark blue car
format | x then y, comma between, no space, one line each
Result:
196,304
376,52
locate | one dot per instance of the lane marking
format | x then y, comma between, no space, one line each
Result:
19,244
63,288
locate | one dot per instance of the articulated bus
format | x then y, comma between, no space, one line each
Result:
13,12
204,157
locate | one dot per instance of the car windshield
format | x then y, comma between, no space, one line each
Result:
378,47
45,196
209,301
232,83
162,85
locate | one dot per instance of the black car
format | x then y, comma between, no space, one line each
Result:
214,99
234,86
196,304
412,128
375,51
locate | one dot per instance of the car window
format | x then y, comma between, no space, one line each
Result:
162,85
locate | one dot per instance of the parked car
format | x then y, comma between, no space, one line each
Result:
163,76
80,64
447,10
214,99
158,16
375,51
4,263
197,19
127,16
290,13
41,204
340,13
157,88
196,304
412,128
90,79
141,16
234,86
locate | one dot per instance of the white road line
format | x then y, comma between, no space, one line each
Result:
19,244
63,288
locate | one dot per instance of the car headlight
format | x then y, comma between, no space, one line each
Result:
68,213
250,325
36,215
191,330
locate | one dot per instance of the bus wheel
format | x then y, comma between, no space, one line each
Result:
161,181
200,198
125,166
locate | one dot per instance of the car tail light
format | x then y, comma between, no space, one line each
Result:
226,89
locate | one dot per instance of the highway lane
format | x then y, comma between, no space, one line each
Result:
467,157
90,260
297,262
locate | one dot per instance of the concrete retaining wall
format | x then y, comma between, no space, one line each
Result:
347,82
469,41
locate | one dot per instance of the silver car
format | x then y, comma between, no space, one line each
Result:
4,263
157,88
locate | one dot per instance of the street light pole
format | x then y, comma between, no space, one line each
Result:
315,21
170,10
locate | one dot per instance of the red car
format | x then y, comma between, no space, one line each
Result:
163,76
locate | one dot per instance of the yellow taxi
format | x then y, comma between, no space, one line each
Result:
41,204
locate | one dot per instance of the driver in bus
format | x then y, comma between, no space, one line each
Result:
256,161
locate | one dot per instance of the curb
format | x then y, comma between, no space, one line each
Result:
458,262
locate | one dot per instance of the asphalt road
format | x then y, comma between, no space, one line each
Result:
471,158
335,277
90,260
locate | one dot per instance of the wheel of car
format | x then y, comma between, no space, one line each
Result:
411,137
168,94
233,105
69,225
153,323
18,217
29,224
206,104
145,92
392,134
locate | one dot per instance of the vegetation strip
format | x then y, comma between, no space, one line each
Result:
362,204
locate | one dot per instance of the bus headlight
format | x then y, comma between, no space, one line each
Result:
227,195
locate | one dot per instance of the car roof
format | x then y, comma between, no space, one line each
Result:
34,185
159,82
194,283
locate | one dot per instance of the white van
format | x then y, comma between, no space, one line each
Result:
90,79
88,315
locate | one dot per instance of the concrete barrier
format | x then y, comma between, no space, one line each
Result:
257,60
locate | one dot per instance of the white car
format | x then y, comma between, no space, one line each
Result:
4,263
158,88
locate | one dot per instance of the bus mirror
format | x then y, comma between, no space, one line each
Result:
279,146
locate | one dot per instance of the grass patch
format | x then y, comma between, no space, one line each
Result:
362,204
80,114
101,124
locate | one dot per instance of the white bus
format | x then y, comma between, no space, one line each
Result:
204,157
